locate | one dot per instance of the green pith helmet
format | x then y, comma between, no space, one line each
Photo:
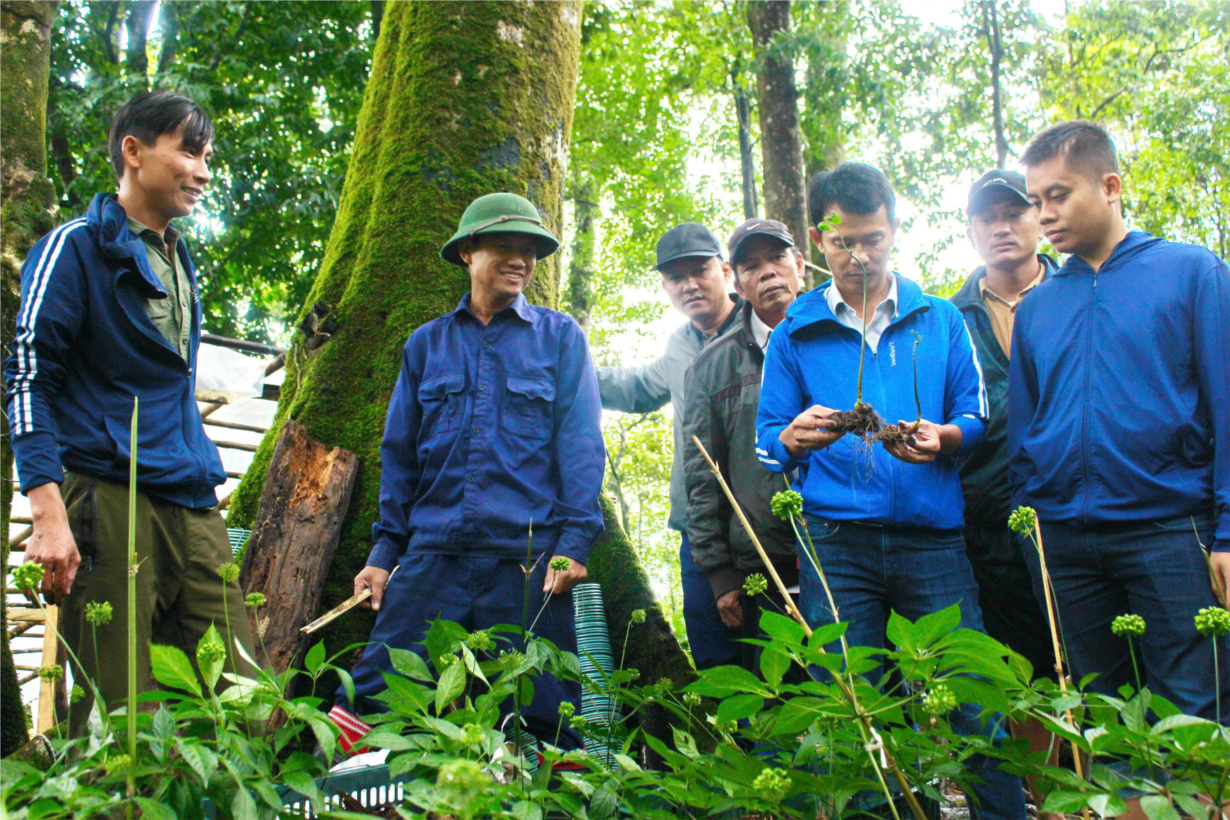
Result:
499,213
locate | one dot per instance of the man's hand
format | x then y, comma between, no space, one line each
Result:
560,582
52,544
730,609
1220,562
373,578
926,442
809,431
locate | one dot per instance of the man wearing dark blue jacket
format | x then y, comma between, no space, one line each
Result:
886,521
1118,428
109,311
493,427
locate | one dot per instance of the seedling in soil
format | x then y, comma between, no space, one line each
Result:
863,421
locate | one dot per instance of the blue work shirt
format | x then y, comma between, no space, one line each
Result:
491,427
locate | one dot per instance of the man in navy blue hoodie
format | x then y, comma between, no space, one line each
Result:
885,520
1118,428
109,311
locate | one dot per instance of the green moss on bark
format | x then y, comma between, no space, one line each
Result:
29,211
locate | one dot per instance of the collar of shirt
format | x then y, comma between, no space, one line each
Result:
877,323
760,331
170,238
520,306
984,291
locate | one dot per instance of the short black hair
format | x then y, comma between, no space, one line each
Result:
1086,147
149,115
856,187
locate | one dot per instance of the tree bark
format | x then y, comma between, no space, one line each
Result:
168,25
305,499
464,99
581,266
991,29
781,141
29,211
136,59
747,161
826,77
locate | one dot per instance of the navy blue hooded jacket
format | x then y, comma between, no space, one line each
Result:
1119,389
813,359
84,347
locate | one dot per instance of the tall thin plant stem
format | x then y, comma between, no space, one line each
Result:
872,742
1050,616
917,403
132,607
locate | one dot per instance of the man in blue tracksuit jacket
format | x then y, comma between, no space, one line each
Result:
109,311
1119,426
885,520
493,427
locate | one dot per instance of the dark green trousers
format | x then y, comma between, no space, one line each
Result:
179,591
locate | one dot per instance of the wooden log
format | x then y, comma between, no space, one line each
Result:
304,502
46,718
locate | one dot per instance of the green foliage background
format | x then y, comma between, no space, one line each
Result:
654,141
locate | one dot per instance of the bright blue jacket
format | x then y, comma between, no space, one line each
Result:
491,428
813,359
84,347
1119,389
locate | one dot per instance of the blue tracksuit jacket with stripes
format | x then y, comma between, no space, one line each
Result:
813,359
84,347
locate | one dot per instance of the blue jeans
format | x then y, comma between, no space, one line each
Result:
711,641
476,592
1153,569
874,570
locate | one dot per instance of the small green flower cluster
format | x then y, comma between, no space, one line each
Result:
771,785
510,660
691,700
638,616
787,504
579,723
566,709
939,701
1128,626
208,652
634,674
52,672
755,584
76,694
256,600
471,734
664,687
28,576
560,564
447,660
1023,520
98,613
1213,621
460,781
228,572
479,641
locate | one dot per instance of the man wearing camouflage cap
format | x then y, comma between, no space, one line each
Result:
493,424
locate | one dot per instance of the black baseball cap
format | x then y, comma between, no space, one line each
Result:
993,182
757,227
688,239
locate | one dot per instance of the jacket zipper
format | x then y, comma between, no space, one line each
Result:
1085,466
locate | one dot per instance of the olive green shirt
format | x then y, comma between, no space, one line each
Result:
172,315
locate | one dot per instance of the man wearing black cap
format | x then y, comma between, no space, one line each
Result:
697,281
1004,230
722,389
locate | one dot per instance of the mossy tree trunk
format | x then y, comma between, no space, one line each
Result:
781,141
29,211
464,99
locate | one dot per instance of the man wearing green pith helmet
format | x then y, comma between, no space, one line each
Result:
493,424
